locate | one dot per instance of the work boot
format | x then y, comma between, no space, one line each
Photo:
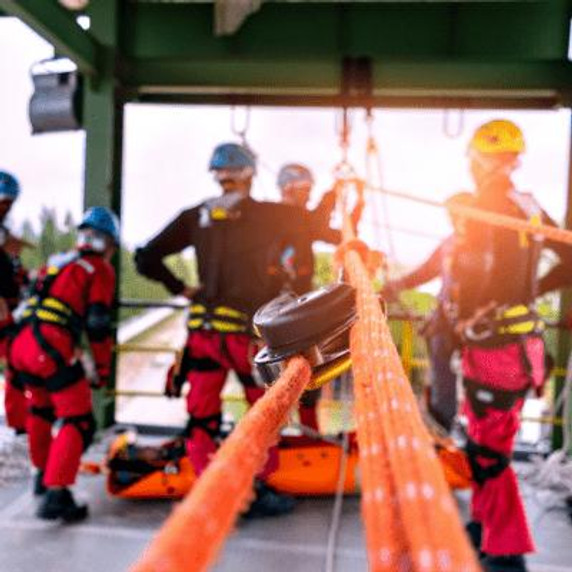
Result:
474,531
59,503
509,563
39,487
268,502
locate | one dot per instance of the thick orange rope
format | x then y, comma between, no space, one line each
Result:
191,538
505,221
411,521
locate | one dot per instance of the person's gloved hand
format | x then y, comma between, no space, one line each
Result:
173,382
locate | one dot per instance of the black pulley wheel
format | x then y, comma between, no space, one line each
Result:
290,324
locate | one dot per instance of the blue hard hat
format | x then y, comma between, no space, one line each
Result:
294,173
103,220
232,156
9,187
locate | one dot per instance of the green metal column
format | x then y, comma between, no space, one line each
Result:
564,340
103,120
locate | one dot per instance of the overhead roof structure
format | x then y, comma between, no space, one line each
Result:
461,53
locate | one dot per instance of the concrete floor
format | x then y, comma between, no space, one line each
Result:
118,531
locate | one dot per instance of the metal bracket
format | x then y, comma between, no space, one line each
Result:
357,78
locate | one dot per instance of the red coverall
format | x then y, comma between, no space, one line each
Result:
12,280
58,390
502,272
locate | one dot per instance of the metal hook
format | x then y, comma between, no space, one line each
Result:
233,123
453,134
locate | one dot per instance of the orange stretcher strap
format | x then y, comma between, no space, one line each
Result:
192,536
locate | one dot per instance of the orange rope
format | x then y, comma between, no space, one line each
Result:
520,225
410,516
191,538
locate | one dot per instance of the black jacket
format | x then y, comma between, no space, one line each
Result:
235,257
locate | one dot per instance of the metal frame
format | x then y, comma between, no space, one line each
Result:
457,54
57,26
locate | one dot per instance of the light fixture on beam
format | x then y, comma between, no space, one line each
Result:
74,5
56,104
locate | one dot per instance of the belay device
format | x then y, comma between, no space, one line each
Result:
315,325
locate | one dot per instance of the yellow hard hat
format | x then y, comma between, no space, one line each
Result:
498,136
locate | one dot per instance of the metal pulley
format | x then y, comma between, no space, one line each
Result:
56,104
315,325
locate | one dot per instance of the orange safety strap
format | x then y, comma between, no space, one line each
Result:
410,516
192,536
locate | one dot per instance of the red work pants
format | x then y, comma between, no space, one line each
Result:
58,456
229,352
497,503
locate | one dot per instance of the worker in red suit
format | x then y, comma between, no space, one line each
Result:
233,237
501,337
12,281
73,294
295,182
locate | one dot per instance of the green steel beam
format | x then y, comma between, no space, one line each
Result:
103,121
59,28
313,82
517,31
488,101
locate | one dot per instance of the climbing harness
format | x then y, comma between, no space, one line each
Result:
315,325
501,325
221,319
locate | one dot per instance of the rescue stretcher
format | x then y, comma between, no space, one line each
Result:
308,466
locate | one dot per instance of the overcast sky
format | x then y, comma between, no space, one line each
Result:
167,149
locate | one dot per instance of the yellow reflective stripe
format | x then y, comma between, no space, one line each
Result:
56,305
515,311
47,316
522,328
195,323
198,309
225,327
229,313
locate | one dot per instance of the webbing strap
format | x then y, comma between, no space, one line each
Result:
481,474
482,396
64,377
45,413
52,311
204,423
221,319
